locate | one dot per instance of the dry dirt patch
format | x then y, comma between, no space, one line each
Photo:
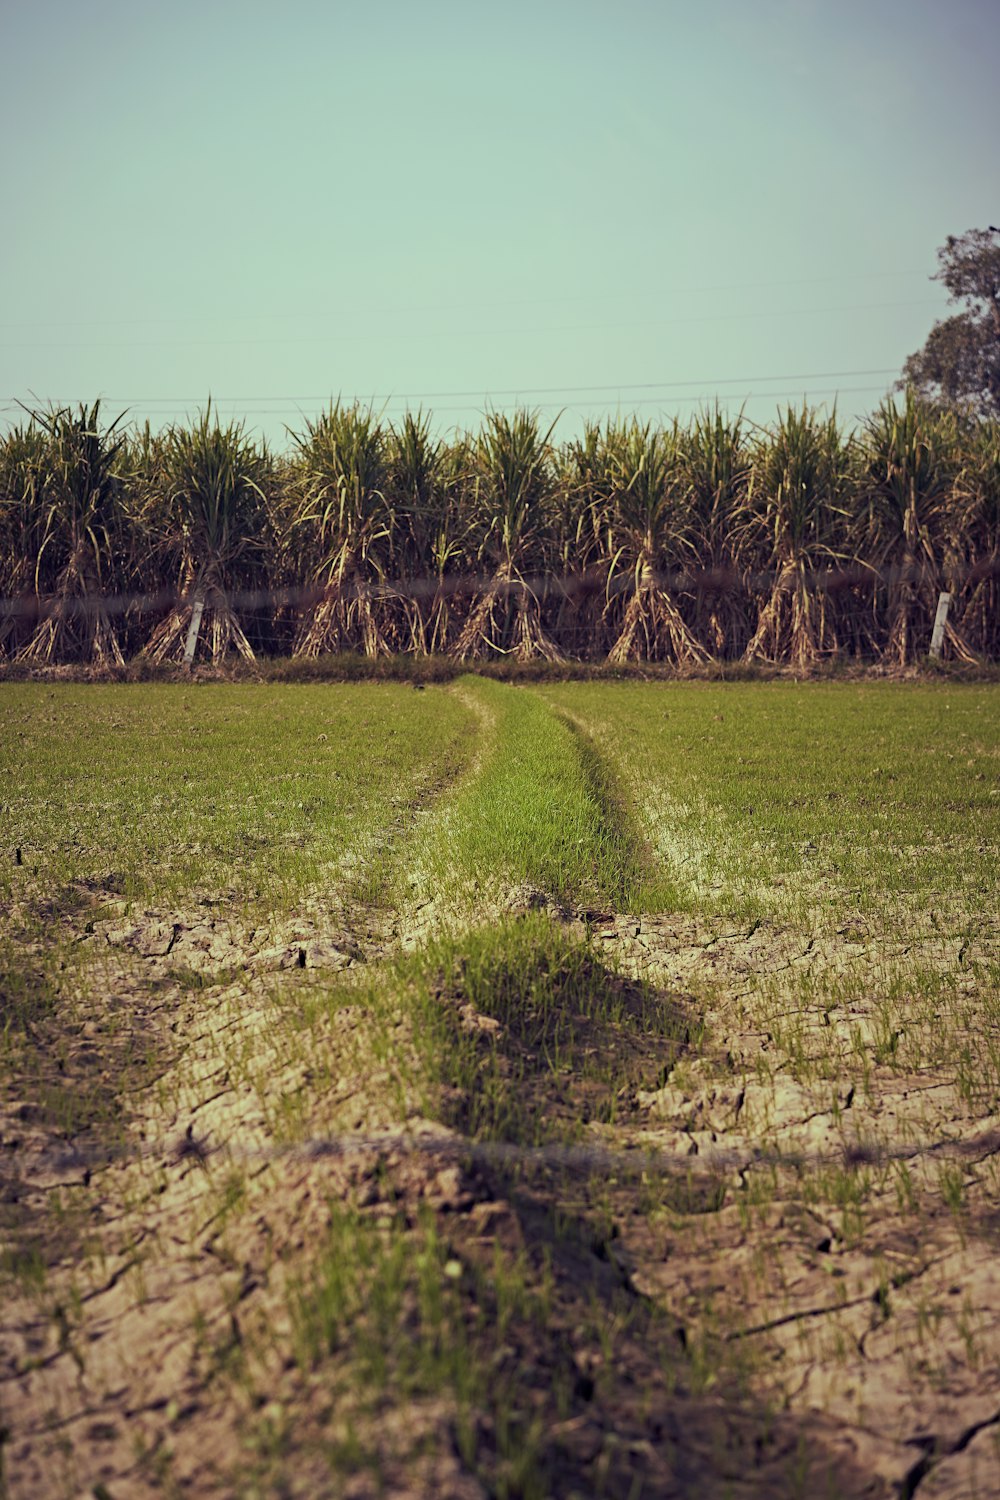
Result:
849,1264
771,1310
113,1236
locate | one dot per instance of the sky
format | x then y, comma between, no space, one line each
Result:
589,209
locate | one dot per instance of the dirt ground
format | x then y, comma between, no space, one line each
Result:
802,1278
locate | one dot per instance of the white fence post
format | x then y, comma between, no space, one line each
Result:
940,621
191,644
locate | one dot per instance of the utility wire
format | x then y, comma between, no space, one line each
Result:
574,406
520,390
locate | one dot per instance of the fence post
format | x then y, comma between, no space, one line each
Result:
940,621
191,644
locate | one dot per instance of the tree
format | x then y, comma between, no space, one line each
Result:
960,362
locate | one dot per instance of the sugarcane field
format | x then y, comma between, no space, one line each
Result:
708,543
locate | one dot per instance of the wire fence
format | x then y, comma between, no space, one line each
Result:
830,580
690,1158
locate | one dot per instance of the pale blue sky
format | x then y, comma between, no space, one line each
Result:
655,202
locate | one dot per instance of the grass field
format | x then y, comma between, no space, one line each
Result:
579,1088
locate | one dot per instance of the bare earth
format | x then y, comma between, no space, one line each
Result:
851,1331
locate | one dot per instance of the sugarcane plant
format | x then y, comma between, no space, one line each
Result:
288,557
424,497
582,545
792,532
910,460
78,534
976,528
652,527
448,550
208,515
141,465
23,453
513,487
715,466
346,525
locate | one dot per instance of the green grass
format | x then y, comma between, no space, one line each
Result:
522,1031
793,797
749,794
865,817
157,791
541,811
388,1312
572,1036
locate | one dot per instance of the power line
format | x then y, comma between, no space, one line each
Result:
853,390
520,390
575,406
